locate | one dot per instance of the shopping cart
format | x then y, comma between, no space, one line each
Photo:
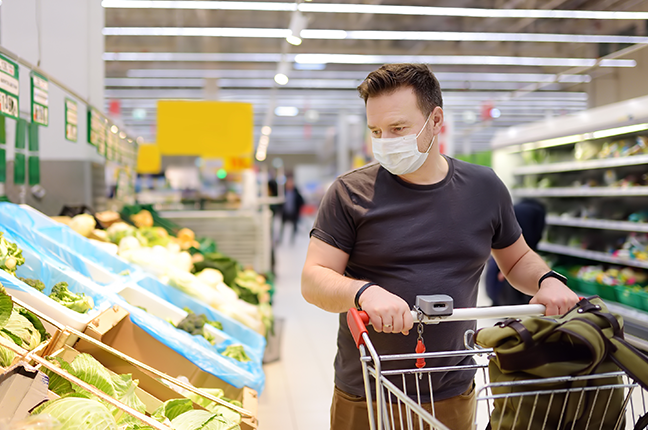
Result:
402,407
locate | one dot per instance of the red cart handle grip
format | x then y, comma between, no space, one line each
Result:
357,321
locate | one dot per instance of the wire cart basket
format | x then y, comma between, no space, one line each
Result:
394,408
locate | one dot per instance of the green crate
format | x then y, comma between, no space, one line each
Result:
586,287
607,292
630,297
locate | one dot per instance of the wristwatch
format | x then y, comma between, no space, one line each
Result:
552,274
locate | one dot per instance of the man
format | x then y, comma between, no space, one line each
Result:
291,209
416,223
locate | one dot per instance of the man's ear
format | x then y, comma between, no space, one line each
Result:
437,119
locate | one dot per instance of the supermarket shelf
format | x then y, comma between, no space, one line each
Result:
581,165
635,323
580,192
602,224
590,255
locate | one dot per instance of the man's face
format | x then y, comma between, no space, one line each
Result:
397,114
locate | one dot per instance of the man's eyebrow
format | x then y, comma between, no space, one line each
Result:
392,124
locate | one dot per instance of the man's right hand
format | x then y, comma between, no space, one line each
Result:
387,312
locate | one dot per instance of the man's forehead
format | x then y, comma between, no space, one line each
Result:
393,121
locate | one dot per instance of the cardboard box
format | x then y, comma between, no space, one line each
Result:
114,329
22,388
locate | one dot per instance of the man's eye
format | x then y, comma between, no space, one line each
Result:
375,132
398,128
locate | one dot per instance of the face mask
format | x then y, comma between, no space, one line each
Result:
400,155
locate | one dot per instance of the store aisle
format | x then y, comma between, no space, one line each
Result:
299,387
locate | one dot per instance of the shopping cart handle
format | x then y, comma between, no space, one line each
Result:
357,321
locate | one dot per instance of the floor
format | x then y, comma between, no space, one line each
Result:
299,386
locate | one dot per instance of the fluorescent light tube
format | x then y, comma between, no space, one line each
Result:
443,36
376,9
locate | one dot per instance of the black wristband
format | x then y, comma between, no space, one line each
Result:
359,293
552,274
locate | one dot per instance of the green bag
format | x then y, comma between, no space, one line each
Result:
587,340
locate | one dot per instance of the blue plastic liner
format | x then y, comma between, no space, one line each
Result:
197,350
60,240
50,272
254,342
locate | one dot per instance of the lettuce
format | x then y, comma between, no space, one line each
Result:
172,409
77,413
202,420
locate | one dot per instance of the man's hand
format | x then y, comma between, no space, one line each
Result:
556,296
387,312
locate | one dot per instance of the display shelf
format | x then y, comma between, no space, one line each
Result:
601,224
590,255
581,192
572,166
635,324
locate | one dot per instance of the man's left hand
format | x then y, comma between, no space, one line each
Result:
556,296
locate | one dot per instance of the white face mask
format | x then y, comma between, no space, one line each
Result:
400,155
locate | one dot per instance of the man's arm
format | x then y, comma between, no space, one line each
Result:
523,268
325,286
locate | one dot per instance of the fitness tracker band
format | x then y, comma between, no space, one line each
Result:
359,293
552,274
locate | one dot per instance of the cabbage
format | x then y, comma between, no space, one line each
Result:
6,355
22,332
76,413
172,408
89,370
202,420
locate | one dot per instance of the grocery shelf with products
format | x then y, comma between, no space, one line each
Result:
590,171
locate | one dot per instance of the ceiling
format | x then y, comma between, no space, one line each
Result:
239,52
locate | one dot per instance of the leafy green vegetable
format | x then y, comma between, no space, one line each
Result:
226,265
172,408
155,236
205,403
237,352
6,355
77,413
77,302
195,324
35,321
10,256
202,420
22,332
34,283
89,370
6,306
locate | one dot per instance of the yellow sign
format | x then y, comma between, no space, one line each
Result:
236,164
207,129
149,160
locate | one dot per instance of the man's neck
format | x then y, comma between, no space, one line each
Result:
433,171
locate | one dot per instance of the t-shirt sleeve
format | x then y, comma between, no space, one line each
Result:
334,223
507,229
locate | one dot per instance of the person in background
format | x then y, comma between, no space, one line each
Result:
417,222
291,208
530,214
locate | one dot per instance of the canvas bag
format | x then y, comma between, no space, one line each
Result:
587,340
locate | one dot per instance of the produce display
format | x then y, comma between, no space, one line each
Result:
60,293
19,326
612,276
57,268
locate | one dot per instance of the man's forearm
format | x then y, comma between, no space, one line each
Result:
328,290
524,275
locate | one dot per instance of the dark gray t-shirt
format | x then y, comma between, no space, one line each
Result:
414,240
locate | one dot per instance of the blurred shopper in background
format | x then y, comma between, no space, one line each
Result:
530,215
291,209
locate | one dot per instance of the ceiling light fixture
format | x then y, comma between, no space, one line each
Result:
442,36
376,9
286,111
298,23
281,77
323,59
266,129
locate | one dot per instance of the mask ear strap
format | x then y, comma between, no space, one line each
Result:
423,128
431,143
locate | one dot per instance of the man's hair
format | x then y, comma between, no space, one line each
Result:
391,77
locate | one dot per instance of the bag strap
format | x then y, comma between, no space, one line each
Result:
520,329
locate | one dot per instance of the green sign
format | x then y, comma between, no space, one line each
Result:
97,128
40,99
9,88
71,120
